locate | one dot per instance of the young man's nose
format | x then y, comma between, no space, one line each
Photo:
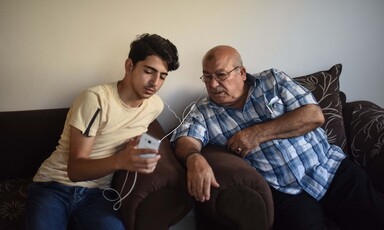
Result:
155,79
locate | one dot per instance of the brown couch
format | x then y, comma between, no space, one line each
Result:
159,200
27,138
243,200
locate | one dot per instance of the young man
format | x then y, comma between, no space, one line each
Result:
100,136
274,125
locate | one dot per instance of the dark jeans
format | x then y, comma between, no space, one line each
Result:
55,206
351,202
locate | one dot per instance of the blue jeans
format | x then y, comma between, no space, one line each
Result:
51,205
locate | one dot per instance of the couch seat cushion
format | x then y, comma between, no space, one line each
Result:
13,194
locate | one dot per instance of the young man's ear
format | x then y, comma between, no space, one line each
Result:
128,65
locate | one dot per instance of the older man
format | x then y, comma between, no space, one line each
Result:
274,125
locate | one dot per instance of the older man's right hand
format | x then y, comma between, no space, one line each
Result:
200,177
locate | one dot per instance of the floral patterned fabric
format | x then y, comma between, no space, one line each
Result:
324,85
367,127
13,194
367,140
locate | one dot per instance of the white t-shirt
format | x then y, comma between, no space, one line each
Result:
114,123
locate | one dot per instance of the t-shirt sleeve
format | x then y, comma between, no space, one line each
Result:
85,113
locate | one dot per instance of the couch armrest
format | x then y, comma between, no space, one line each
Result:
243,199
160,199
364,123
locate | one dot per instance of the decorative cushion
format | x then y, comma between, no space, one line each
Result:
367,134
13,194
367,141
324,86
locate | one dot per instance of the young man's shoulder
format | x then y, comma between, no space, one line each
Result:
102,87
94,95
99,91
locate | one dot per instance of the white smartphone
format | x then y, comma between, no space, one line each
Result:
148,142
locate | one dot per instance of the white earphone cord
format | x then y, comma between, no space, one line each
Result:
119,199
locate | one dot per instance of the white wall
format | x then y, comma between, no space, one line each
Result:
50,50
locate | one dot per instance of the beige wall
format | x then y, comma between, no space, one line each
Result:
50,50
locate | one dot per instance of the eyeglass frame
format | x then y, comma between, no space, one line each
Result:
211,76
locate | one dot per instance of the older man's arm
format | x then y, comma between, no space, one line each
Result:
295,123
200,176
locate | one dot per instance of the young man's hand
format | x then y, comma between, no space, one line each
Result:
130,159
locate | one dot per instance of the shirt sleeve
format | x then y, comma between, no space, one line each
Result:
85,113
194,126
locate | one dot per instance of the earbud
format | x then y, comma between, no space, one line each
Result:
193,107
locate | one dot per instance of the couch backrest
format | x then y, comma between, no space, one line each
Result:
27,138
325,87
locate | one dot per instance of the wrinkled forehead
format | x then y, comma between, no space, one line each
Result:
213,63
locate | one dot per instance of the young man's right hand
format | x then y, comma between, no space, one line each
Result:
130,159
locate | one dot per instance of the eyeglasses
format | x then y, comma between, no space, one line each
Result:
217,76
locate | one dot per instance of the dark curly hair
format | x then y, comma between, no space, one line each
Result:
152,44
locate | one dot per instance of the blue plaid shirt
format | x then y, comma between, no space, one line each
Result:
306,162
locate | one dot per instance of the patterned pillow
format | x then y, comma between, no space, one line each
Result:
367,141
324,85
367,133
